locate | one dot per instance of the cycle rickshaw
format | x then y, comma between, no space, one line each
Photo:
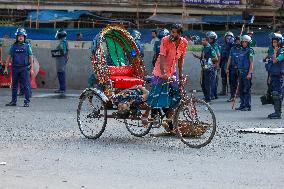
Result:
194,120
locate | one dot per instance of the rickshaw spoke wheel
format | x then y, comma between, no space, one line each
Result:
195,123
91,115
135,126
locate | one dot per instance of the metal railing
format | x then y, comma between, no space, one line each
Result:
97,2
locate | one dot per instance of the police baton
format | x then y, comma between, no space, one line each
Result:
236,93
196,56
227,83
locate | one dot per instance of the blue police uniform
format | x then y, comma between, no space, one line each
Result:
245,56
61,62
20,53
21,93
233,69
140,46
137,38
270,53
92,80
225,52
208,74
276,72
1,66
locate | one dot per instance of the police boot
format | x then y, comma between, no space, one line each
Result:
277,107
11,104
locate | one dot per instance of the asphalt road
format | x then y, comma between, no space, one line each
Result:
43,148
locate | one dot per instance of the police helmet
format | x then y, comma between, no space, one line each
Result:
162,33
229,34
278,37
237,38
61,33
211,35
21,31
136,35
246,38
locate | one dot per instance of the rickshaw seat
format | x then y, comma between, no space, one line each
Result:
123,77
121,70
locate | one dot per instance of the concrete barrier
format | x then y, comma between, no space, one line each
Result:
79,66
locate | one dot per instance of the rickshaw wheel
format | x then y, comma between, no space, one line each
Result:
195,123
136,128
91,114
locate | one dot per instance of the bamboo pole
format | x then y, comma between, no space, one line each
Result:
183,14
137,13
37,13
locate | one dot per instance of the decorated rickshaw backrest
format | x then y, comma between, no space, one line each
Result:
116,47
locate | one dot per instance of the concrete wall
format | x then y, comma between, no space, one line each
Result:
79,66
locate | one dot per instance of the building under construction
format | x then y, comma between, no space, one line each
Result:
193,14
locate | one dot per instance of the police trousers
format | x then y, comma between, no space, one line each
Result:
233,80
22,75
206,83
245,89
276,82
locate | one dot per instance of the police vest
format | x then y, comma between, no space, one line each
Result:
62,49
235,57
20,55
269,59
225,50
244,62
278,68
206,53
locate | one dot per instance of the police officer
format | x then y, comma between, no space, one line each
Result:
1,50
253,41
208,58
21,55
162,33
268,63
245,69
225,52
92,80
276,72
213,42
232,67
61,59
137,38
21,89
1,64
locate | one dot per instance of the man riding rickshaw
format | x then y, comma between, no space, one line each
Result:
120,93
